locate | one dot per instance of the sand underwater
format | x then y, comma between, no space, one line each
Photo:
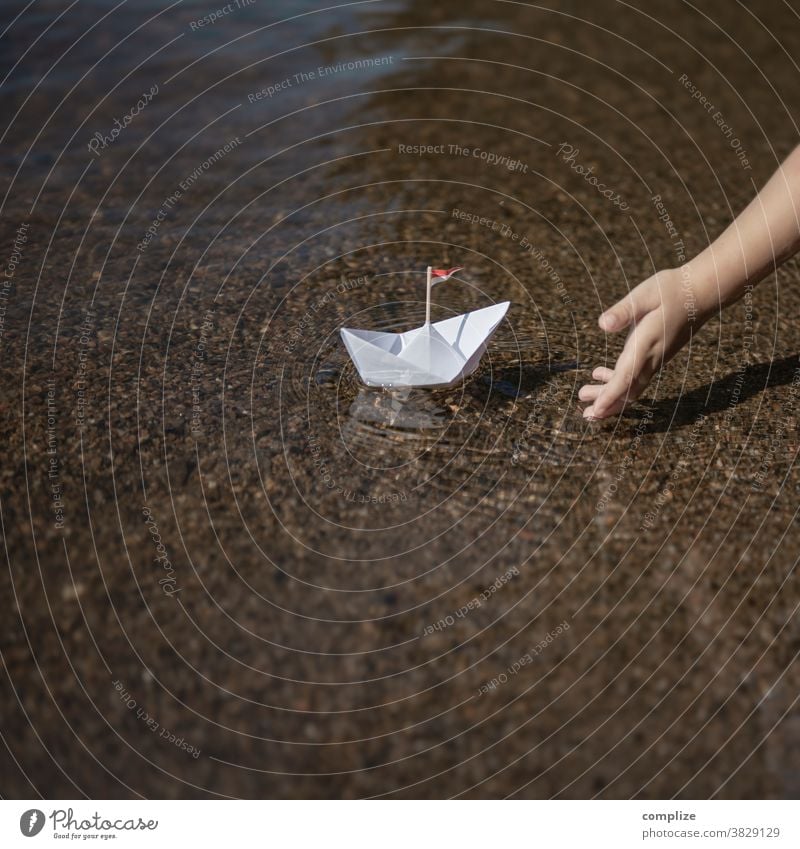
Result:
232,569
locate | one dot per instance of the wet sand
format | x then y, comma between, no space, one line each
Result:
233,570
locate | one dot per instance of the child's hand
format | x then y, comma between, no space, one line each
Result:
660,320
665,310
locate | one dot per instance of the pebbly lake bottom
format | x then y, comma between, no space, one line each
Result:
326,590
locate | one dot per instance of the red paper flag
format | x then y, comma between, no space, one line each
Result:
439,275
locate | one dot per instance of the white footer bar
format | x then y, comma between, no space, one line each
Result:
401,824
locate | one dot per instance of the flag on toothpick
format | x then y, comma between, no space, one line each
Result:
439,275
436,275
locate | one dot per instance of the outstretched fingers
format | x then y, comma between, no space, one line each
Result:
590,391
625,384
616,407
614,394
641,311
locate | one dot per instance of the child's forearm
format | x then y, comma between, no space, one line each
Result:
765,234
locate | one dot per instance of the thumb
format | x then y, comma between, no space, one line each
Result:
636,304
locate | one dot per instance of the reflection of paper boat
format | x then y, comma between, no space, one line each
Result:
438,354
401,408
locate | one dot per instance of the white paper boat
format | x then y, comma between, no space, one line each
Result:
438,354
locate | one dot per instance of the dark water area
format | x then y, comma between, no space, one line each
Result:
320,589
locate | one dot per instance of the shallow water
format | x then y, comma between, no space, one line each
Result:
202,503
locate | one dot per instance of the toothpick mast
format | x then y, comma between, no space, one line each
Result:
428,301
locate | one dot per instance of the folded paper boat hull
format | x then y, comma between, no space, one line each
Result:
434,355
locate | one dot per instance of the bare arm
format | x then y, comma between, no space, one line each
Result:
763,236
